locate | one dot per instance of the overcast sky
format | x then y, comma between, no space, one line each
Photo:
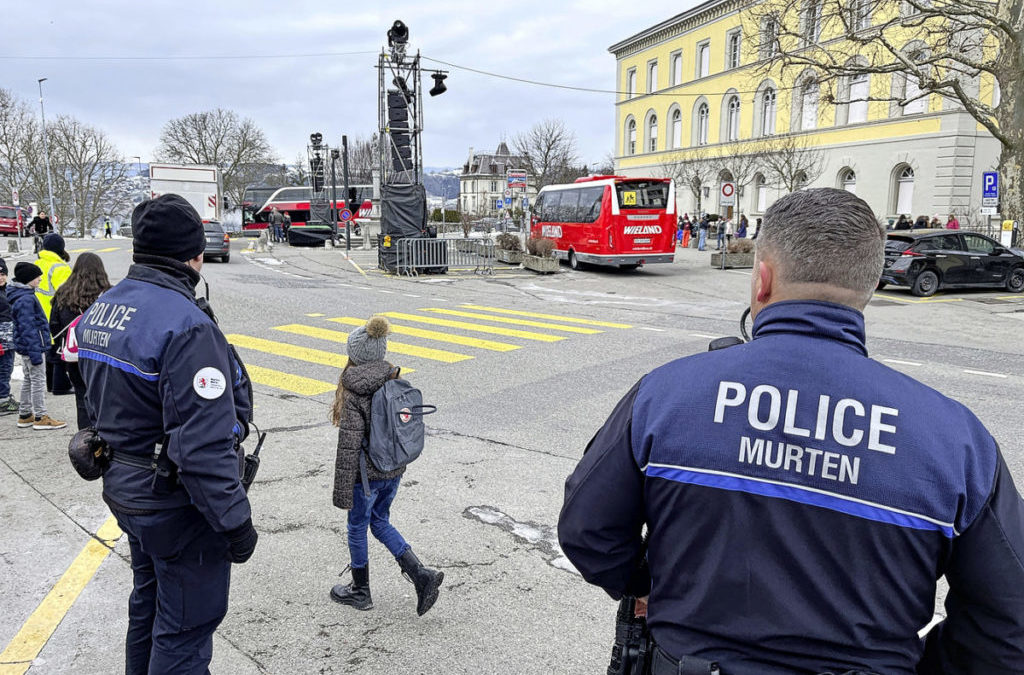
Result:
554,41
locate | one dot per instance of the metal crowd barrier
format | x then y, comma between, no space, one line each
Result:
418,255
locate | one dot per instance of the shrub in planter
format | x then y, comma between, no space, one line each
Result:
508,242
540,258
741,246
540,246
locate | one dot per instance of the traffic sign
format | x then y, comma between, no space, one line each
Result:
517,178
990,188
728,196
345,214
14,197
989,210
508,192
498,203
508,202
526,203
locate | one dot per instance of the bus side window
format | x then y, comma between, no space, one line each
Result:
538,206
552,207
569,209
590,204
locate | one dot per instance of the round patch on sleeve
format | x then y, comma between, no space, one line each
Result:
209,383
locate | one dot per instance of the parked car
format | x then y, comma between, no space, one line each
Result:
927,260
218,244
9,220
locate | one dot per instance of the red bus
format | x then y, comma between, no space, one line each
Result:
609,220
295,202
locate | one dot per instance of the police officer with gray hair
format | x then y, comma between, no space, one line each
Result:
800,520
171,404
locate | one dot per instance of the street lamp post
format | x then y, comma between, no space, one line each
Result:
46,146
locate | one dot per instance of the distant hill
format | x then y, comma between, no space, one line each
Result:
440,181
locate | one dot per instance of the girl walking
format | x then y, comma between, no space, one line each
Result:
87,281
365,373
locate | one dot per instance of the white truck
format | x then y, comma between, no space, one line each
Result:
198,184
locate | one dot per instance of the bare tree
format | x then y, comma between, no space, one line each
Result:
693,170
743,160
18,130
90,177
549,152
950,48
791,162
607,165
299,173
362,160
218,137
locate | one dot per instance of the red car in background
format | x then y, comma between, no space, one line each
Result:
10,220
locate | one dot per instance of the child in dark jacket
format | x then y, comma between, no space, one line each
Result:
8,406
365,373
31,341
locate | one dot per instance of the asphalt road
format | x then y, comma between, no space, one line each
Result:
523,368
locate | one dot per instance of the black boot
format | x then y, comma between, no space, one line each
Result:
357,593
423,578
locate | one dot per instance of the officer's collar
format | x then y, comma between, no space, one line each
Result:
166,273
816,318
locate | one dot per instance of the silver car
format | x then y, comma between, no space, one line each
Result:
218,244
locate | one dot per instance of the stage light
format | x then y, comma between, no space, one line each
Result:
316,139
398,35
439,85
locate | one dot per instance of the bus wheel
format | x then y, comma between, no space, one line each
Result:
574,261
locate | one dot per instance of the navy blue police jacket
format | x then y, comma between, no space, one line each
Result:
158,369
801,501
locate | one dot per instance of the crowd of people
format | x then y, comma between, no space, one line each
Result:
38,304
725,230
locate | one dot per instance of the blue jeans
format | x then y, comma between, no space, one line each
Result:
373,511
6,367
703,241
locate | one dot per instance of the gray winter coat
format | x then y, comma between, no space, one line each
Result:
361,383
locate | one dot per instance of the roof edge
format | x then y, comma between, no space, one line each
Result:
688,14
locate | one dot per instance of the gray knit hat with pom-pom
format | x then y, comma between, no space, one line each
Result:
369,343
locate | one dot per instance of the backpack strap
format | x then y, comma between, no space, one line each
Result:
362,468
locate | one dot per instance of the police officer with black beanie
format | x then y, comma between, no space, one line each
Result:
165,390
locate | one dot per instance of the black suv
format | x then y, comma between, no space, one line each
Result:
927,260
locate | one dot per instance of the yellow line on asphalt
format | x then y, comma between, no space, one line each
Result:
78,250
916,302
108,250
1010,297
395,347
17,657
324,358
554,317
479,328
514,322
358,268
296,384
435,335
316,315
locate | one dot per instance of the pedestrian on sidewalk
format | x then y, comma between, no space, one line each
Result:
687,232
720,228
729,231
31,342
8,406
53,261
365,373
286,225
107,230
702,231
952,223
276,225
741,231
87,282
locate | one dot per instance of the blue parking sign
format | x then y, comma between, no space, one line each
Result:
990,188
508,202
498,203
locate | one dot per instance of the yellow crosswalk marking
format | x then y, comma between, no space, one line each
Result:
316,315
554,317
395,347
324,358
516,322
436,335
479,328
108,250
304,386
78,250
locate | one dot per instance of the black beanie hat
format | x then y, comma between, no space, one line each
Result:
168,226
3,266
54,242
25,272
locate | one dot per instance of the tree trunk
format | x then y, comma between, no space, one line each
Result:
1011,183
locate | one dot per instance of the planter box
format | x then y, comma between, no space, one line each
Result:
509,257
538,264
733,260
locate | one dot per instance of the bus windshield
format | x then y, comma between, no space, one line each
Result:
642,194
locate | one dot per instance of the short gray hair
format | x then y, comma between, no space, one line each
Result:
825,236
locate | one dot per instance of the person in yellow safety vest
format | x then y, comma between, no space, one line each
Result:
53,261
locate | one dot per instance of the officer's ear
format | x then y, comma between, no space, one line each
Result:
764,281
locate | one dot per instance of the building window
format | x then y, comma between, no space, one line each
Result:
769,37
652,77
860,14
677,68
768,112
808,118
631,138
858,101
848,181
494,186
631,83
677,129
733,119
732,50
703,117
703,59
652,134
917,101
761,186
811,28
905,190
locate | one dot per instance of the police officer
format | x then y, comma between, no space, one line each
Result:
165,391
799,521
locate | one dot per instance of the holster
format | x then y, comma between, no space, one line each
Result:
663,664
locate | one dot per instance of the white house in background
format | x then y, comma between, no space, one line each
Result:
484,181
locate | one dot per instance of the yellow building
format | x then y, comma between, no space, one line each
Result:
699,85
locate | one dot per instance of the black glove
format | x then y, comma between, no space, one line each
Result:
241,542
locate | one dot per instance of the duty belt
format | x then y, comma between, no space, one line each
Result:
663,664
131,459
